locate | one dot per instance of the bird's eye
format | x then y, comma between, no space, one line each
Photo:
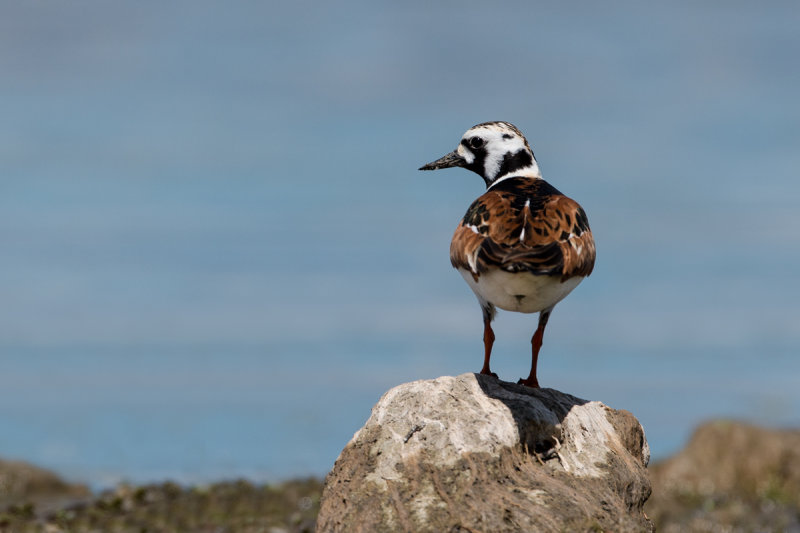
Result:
475,143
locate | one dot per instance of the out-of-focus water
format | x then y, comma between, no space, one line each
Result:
217,252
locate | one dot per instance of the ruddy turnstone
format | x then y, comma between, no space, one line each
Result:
522,246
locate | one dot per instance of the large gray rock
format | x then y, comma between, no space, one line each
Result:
472,453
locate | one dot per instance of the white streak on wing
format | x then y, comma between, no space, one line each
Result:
524,220
471,258
578,247
474,229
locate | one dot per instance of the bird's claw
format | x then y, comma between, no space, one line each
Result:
528,382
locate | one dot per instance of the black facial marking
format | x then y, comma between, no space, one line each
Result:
480,156
511,162
515,161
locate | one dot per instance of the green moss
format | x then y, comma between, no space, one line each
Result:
231,506
775,491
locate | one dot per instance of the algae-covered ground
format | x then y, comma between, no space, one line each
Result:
227,507
731,478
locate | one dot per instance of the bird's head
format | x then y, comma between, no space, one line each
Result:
494,150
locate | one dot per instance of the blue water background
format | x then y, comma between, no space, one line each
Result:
217,253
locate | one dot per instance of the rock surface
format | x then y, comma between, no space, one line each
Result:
732,477
24,483
472,453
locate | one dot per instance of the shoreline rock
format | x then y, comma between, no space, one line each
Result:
473,453
22,483
730,475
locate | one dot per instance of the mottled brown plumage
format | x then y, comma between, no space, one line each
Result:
524,224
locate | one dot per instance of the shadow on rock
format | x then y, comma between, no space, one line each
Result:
538,413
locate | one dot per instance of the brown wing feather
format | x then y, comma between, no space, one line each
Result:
463,249
524,225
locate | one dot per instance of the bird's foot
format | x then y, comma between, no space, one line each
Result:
529,382
487,372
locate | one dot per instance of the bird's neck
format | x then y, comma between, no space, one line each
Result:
529,171
501,165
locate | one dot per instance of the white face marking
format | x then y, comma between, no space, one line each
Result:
496,148
499,140
468,156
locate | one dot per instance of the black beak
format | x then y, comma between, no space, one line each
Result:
450,160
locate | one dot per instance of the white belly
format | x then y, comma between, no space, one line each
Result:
520,291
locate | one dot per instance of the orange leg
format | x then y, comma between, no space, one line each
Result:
488,341
536,345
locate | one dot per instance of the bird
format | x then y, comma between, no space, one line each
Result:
522,245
